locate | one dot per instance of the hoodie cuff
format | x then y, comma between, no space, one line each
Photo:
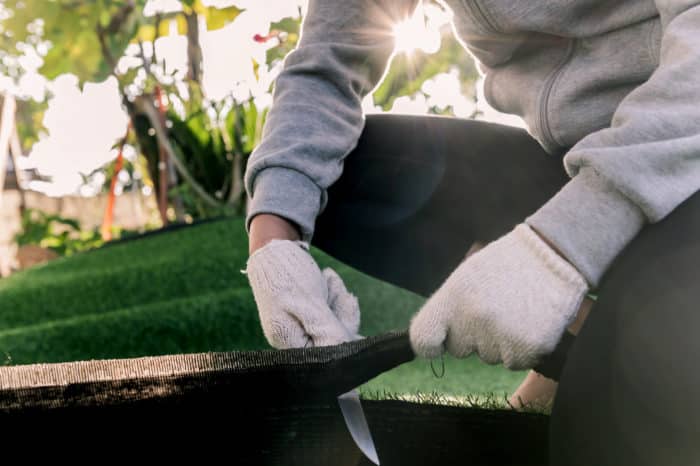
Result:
289,194
590,222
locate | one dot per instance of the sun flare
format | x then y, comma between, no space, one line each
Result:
414,34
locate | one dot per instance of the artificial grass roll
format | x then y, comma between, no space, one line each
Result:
215,321
182,291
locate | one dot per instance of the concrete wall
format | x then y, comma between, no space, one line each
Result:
131,211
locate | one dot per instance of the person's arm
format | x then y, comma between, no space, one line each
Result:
640,168
315,121
511,301
316,117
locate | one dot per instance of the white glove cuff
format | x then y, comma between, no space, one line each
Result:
549,258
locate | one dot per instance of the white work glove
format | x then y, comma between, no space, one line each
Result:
299,305
509,302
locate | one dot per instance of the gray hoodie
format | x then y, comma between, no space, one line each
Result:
612,84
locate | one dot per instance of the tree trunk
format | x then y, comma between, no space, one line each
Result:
194,48
7,124
16,153
170,178
163,185
237,190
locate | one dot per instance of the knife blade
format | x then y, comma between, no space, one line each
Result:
356,423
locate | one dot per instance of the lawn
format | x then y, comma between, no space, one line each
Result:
182,292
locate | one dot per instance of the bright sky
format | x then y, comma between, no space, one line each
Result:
83,126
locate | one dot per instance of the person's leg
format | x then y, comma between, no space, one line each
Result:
627,394
418,192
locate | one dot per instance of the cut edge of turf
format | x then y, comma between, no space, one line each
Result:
488,401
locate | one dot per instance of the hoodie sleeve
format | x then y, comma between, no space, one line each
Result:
316,117
640,168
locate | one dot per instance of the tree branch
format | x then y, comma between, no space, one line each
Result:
112,28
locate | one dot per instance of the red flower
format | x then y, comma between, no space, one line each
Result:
260,39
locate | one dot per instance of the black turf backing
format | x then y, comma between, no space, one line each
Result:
257,408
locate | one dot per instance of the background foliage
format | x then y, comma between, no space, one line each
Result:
206,142
62,235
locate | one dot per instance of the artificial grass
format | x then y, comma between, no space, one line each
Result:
182,292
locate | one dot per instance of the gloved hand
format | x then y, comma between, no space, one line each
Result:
509,302
297,302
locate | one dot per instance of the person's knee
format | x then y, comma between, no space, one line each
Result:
626,394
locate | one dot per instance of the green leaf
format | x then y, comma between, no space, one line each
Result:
145,33
289,27
105,18
256,69
80,57
166,24
219,17
129,76
71,28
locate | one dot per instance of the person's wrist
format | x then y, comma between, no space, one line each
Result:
267,227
